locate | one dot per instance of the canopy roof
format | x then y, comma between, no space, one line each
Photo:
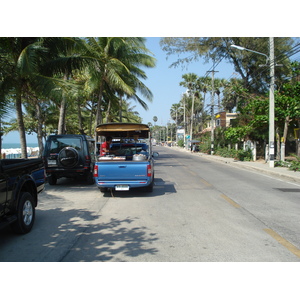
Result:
129,130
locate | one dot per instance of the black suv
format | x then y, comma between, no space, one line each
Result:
69,155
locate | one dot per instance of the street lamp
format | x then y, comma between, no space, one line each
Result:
243,48
269,59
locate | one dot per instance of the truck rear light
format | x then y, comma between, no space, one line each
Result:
95,171
149,171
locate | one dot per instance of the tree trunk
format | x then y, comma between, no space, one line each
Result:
286,127
120,109
20,122
62,116
202,112
297,143
99,103
278,144
108,116
39,127
62,112
79,117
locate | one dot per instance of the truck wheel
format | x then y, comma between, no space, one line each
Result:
25,214
90,178
149,188
52,179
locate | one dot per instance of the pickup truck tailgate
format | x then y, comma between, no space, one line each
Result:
128,170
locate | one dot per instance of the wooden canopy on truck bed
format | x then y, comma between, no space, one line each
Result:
126,130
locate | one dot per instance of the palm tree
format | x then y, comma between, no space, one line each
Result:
115,70
231,93
204,84
21,54
64,60
32,63
219,84
193,99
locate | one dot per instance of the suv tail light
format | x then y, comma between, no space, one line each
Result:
87,159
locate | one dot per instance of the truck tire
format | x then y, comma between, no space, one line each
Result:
52,179
25,214
90,179
149,188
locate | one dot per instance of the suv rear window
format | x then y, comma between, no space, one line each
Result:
58,144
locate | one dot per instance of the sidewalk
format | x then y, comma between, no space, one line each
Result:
259,166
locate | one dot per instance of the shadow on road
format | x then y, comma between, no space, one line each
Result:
160,188
76,235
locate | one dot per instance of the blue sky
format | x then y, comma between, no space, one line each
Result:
164,81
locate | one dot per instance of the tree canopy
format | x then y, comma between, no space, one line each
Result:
72,84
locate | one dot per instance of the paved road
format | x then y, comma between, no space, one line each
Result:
200,210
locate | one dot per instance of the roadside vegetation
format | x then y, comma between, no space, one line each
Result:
70,85
245,93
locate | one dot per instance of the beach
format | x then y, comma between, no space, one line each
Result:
13,150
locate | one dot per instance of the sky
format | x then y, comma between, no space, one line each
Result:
164,81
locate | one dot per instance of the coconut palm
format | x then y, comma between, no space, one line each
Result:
115,70
219,85
32,63
21,54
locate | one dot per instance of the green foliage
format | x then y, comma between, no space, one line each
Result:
52,70
293,165
242,155
181,143
245,63
236,134
205,143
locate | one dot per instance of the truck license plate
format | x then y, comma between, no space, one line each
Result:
122,187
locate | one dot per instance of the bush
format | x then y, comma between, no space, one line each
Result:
295,164
243,155
181,143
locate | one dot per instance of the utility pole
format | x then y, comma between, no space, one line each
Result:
271,62
192,114
271,104
212,110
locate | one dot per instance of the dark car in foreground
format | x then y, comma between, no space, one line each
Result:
21,180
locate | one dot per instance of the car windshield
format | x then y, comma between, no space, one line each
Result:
57,144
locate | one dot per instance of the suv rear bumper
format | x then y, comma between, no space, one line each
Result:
61,172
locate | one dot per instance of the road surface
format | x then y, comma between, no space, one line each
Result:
199,211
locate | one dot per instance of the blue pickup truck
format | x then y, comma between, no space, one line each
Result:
21,180
129,163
